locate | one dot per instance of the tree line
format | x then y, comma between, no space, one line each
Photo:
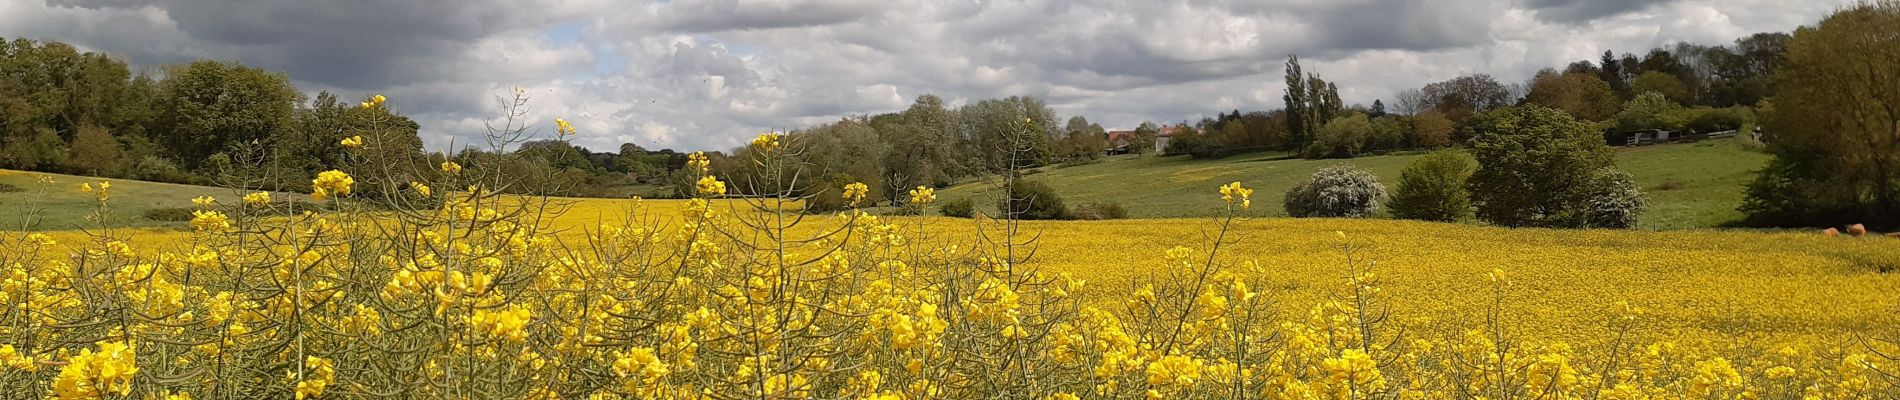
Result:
927,144
1820,100
207,122
67,111
1684,88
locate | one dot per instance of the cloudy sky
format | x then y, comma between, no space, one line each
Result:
709,74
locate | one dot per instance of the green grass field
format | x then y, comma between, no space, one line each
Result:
1708,177
57,204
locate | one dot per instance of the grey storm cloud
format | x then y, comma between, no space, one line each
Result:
708,74
1577,11
1408,25
345,44
724,15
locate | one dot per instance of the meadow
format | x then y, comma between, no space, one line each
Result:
1690,185
481,296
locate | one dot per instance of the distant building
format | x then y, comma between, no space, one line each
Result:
1167,132
1120,142
1648,136
1658,136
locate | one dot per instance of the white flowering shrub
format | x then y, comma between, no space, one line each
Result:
1336,192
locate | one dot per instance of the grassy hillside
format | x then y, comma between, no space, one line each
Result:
56,203
1708,178
1705,185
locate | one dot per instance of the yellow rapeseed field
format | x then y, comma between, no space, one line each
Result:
473,294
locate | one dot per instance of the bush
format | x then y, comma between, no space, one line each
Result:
1433,188
172,214
1535,167
1650,111
1615,201
1198,145
1337,191
156,169
959,208
1032,200
1792,192
1706,120
828,196
1099,211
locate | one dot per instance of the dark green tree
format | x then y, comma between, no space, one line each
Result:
211,105
1833,126
1535,167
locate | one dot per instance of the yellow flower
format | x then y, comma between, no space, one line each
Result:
12,359
204,201
562,127
1175,370
318,373
1356,367
510,323
100,194
420,188
93,375
257,198
451,168
1231,191
642,368
377,100
204,220
767,141
923,195
1496,276
332,183
352,142
855,192
698,162
1779,372
710,186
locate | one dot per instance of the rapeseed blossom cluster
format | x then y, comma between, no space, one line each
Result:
768,141
923,196
372,102
331,184
257,199
855,192
710,186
